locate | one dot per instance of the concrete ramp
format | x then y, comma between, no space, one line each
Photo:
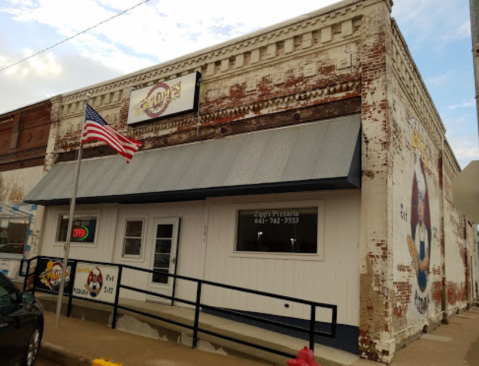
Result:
152,328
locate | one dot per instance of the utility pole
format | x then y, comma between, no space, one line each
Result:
474,5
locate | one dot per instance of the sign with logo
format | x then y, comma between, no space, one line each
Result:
165,99
95,282
50,274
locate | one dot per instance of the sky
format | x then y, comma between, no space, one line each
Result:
437,33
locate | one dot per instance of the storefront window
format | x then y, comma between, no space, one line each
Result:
133,238
289,230
83,231
13,235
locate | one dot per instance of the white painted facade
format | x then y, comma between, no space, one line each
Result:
206,244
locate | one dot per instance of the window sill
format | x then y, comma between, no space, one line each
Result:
11,256
83,245
284,256
132,259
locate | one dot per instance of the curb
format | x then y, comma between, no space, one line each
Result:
56,354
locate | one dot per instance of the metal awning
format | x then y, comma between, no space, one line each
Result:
319,155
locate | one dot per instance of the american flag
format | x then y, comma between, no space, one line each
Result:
96,129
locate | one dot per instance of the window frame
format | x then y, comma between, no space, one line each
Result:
143,231
318,256
95,213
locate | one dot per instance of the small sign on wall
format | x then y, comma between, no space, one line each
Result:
50,275
96,282
165,99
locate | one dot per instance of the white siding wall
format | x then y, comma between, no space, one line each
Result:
334,280
102,251
110,232
190,246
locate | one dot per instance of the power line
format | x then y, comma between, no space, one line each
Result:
76,35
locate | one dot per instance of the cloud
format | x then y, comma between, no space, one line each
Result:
439,79
463,139
471,153
467,104
47,75
152,33
465,155
450,122
419,20
464,30
159,30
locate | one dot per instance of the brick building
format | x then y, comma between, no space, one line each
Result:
24,137
323,119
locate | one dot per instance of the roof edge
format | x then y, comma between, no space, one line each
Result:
203,51
406,47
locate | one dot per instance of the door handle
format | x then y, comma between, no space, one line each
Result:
173,260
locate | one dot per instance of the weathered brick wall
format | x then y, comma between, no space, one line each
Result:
456,247
305,63
23,136
472,260
375,341
430,268
416,213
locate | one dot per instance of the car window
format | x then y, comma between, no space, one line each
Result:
8,293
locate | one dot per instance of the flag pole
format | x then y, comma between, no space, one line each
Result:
70,223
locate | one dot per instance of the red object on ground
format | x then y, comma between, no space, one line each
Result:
305,358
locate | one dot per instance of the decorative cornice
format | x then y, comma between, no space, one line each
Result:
299,35
414,87
278,103
451,166
25,108
22,155
7,120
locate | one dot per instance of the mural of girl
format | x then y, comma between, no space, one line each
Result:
419,242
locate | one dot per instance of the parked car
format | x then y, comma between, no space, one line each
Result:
21,325
14,248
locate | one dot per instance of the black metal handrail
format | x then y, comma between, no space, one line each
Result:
197,304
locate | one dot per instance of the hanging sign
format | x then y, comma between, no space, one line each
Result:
165,99
95,282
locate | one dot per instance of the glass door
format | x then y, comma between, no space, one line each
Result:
164,257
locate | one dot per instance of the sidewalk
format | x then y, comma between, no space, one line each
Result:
140,325
455,344
79,343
